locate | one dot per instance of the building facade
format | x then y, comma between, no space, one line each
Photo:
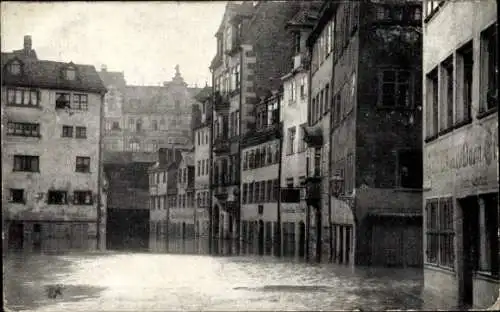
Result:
201,141
113,109
460,152
253,54
51,173
293,115
232,90
373,57
261,161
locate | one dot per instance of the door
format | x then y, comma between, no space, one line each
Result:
16,236
470,244
302,239
37,237
261,237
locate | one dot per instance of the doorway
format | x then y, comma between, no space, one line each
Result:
302,239
261,237
16,236
37,237
470,244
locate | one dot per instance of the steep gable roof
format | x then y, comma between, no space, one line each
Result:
48,75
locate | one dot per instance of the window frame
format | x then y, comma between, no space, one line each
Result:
77,196
26,128
396,83
82,164
14,93
24,160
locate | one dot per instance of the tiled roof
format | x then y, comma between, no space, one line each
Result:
306,16
48,75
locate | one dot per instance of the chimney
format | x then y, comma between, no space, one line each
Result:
27,44
104,68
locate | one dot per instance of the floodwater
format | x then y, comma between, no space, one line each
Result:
168,282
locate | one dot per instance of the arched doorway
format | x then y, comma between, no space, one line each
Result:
302,239
261,237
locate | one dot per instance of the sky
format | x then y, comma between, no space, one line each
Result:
145,40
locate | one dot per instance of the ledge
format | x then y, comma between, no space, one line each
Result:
486,113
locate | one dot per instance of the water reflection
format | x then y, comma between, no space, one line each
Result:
152,282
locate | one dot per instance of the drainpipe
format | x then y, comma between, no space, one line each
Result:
308,159
278,206
210,170
99,175
330,152
240,194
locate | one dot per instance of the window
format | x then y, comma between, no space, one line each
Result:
262,197
15,67
80,102
237,76
23,129
81,132
394,91
289,182
301,144
131,123
82,197
70,73
397,13
303,87
138,125
155,125
269,190
432,104
26,163
487,231
382,12
447,95
489,69
439,232
250,193
22,97
432,6
17,196
276,189
464,83
292,90
82,164
63,100
416,13
326,99
410,166
291,140
338,108
55,197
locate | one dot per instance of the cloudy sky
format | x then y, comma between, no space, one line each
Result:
144,40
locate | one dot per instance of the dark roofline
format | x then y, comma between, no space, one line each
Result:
326,13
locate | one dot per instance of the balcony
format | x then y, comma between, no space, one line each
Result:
221,145
221,102
313,190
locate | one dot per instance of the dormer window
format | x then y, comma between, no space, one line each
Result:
15,67
70,73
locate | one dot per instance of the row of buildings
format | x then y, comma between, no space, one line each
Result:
71,136
356,132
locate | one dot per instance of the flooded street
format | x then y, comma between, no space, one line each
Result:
154,282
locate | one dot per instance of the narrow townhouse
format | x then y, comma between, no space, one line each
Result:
201,140
293,115
316,134
51,153
182,215
460,151
229,108
261,150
